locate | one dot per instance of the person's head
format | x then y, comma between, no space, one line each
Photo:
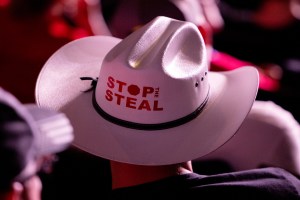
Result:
29,138
153,100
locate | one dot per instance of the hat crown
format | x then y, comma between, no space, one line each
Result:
143,74
160,42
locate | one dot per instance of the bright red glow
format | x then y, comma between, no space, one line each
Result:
59,29
4,3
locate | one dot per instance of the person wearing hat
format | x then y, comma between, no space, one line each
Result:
122,17
149,104
29,138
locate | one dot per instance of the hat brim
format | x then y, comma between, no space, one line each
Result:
53,130
59,87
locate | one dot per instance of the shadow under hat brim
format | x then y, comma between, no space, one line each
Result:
59,87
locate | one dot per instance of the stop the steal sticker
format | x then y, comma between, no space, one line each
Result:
132,96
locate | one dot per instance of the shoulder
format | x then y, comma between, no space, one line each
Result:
263,183
258,184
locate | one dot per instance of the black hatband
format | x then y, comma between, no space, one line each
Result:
149,127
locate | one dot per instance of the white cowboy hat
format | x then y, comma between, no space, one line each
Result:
154,101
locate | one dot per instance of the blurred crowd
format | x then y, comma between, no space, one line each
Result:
266,32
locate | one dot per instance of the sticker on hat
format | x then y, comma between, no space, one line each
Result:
151,99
